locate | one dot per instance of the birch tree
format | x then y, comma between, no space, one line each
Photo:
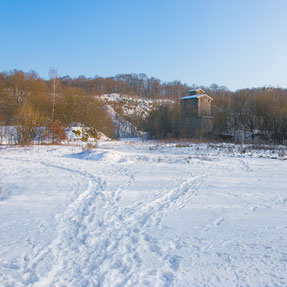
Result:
54,83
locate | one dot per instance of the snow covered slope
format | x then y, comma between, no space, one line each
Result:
127,111
141,214
124,128
133,105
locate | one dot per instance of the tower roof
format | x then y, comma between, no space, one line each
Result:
196,97
196,92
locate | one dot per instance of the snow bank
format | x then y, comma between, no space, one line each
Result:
94,155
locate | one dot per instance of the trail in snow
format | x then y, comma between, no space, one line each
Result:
141,215
104,238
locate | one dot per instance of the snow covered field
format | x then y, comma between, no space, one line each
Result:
142,214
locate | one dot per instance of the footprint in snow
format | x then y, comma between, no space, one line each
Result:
168,277
173,261
218,221
215,223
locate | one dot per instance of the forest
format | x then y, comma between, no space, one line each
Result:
28,102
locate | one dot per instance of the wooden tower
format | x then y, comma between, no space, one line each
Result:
195,114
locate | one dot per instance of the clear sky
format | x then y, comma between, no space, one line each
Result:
236,43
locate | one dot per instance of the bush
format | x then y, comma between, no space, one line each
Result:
56,131
281,153
28,122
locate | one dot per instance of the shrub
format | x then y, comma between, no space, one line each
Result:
92,145
28,122
281,153
56,131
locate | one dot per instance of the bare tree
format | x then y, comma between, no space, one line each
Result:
54,82
17,79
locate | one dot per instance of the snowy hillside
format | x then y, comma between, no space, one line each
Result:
133,105
124,128
123,108
142,214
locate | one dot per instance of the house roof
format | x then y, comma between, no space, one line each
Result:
196,97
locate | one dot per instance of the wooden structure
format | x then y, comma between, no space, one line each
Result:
196,114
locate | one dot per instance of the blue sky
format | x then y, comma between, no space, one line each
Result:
229,42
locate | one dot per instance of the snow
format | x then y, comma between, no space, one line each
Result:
123,127
133,105
196,97
76,132
8,135
133,213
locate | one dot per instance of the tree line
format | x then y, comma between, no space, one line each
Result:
29,102
129,84
261,112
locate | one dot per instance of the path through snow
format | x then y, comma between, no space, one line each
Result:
132,214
